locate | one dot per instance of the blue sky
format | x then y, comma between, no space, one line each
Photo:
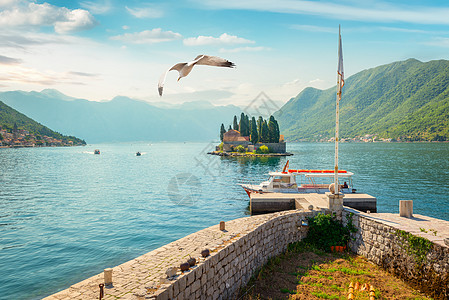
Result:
100,49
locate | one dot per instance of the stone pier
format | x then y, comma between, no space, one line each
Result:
413,248
245,245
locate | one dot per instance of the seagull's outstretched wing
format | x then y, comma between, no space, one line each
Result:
213,61
185,68
160,85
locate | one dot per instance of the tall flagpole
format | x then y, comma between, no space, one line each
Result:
340,84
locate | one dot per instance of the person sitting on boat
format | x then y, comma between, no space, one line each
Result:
345,185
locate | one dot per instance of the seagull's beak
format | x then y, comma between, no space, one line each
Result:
179,78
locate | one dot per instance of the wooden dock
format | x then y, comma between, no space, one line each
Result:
274,202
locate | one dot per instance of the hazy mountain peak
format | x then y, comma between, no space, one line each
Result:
56,94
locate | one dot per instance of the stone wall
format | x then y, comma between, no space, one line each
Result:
412,249
237,252
274,147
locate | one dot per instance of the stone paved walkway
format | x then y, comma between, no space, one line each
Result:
435,230
138,275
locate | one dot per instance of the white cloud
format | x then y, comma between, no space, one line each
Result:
31,14
75,20
97,8
22,74
148,36
5,60
244,49
439,42
365,11
224,39
125,27
145,12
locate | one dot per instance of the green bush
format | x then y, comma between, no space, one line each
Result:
326,231
221,146
240,149
264,149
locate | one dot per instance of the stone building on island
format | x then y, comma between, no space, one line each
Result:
232,139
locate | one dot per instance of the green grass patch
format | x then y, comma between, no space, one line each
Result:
287,291
336,287
343,270
324,295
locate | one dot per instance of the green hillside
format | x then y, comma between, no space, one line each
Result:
407,100
9,117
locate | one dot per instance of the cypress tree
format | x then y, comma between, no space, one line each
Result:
278,132
222,131
271,130
236,124
230,128
248,126
264,134
244,125
259,128
253,131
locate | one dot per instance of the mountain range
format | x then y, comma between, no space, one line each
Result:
406,100
122,119
11,118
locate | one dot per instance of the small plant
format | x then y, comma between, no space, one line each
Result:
263,149
417,246
326,231
240,149
221,146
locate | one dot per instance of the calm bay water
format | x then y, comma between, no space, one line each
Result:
66,214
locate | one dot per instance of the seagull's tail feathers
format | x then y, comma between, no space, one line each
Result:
160,85
160,89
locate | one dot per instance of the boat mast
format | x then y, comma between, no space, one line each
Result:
340,84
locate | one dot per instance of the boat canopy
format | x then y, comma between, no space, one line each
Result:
312,173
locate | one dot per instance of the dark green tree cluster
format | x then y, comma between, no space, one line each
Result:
259,131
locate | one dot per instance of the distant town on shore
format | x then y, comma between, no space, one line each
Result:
17,138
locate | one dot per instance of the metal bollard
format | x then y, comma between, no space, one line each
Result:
101,285
222,225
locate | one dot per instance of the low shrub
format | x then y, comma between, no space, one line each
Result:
263,149
326,231
240,149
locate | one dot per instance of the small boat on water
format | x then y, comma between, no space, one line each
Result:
301,181
96,151
138,153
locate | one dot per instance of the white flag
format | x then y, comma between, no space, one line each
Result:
340,72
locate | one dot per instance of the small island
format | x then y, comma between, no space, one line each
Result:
251,138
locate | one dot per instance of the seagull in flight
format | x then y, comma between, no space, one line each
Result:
185,68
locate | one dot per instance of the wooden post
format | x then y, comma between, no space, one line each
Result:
406,208
108,276
222,225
